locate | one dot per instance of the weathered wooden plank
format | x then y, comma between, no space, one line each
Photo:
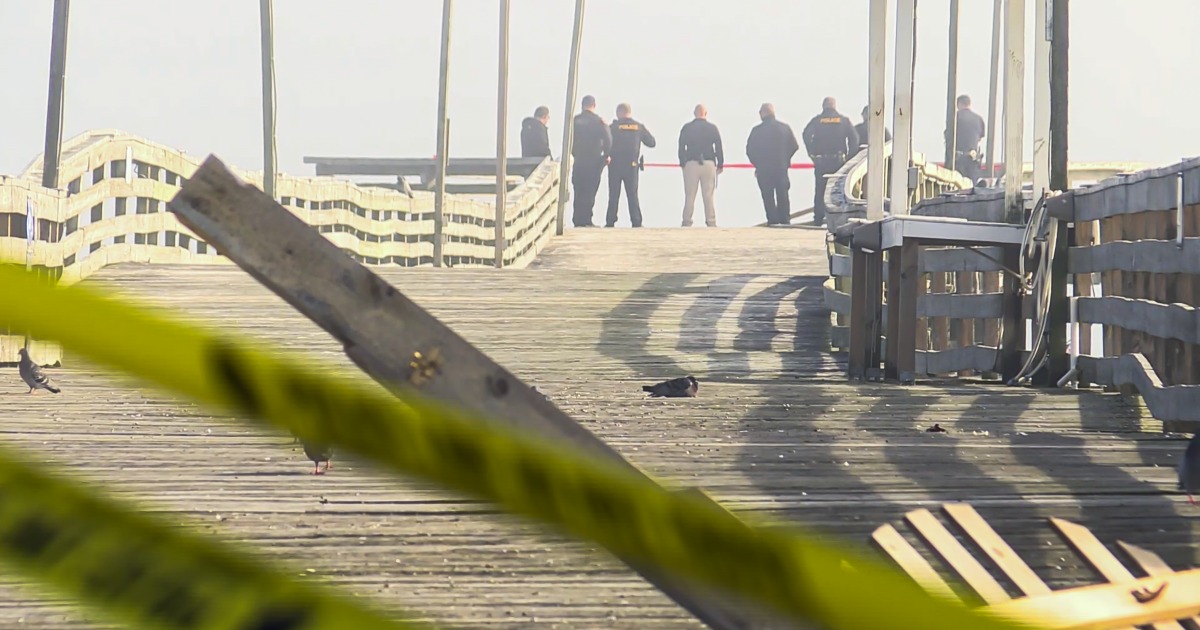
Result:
835,300
387,334
1172,321
1142,256
1102,560
973,306
977,358
996,548
911,561
1178,403
953,260
954,554
906,312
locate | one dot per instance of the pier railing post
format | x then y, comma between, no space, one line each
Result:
267,28
568,114
502,135
54,105
443,141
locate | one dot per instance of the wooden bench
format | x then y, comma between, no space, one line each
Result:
1163,599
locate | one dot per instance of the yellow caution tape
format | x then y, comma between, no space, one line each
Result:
550,481
147,573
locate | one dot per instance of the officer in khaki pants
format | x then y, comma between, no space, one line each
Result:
702,158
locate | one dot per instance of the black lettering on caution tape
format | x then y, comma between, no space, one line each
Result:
234,378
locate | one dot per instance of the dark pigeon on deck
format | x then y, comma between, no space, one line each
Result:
33,375
1189,469
318,454
683,387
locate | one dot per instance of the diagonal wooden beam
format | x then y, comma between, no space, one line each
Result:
395,341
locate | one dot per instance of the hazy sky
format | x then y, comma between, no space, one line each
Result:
359,77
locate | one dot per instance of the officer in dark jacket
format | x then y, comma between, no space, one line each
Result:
830,139
589,149
628,136
535,136
971,130
770,148
863,129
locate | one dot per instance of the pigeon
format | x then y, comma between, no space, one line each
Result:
318,453
33,375
936,428
1189,469
684,387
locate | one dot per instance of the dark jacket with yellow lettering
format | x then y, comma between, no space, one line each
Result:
628,136
829,134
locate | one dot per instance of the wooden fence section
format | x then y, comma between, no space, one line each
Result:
113,210
1139,236
845,196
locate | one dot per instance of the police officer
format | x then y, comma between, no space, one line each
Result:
590,148
863,129
971,130
830,139
628,136
770,148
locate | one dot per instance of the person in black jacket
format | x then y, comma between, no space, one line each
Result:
628,136
830,139
969,133
770,148
863,129
590,149
702,159
535,136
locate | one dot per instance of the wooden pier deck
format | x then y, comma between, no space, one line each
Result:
776,428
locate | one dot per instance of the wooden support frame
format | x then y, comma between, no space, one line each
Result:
1162,599
393,339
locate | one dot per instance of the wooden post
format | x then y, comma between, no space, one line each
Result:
876,183
1041,98
906,17
906,312
859,316
443,140
1014,111
267,30
502,135
564,161
894,280
1059,92
952,88
1058,362
1012,340
54,105
994,86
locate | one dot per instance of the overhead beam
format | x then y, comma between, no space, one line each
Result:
994,87
1014,110
502,133
54,105
443,135
906,14
564,175
876,71
267,31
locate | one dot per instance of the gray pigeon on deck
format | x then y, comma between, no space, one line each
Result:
33,375
684,387
1189,469
318,454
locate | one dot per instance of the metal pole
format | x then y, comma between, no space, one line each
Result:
439,194
877,101
994,86
1059,62
902,140
1014,111
502,135
564,173
54,106
1041,97
952,89
267,27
